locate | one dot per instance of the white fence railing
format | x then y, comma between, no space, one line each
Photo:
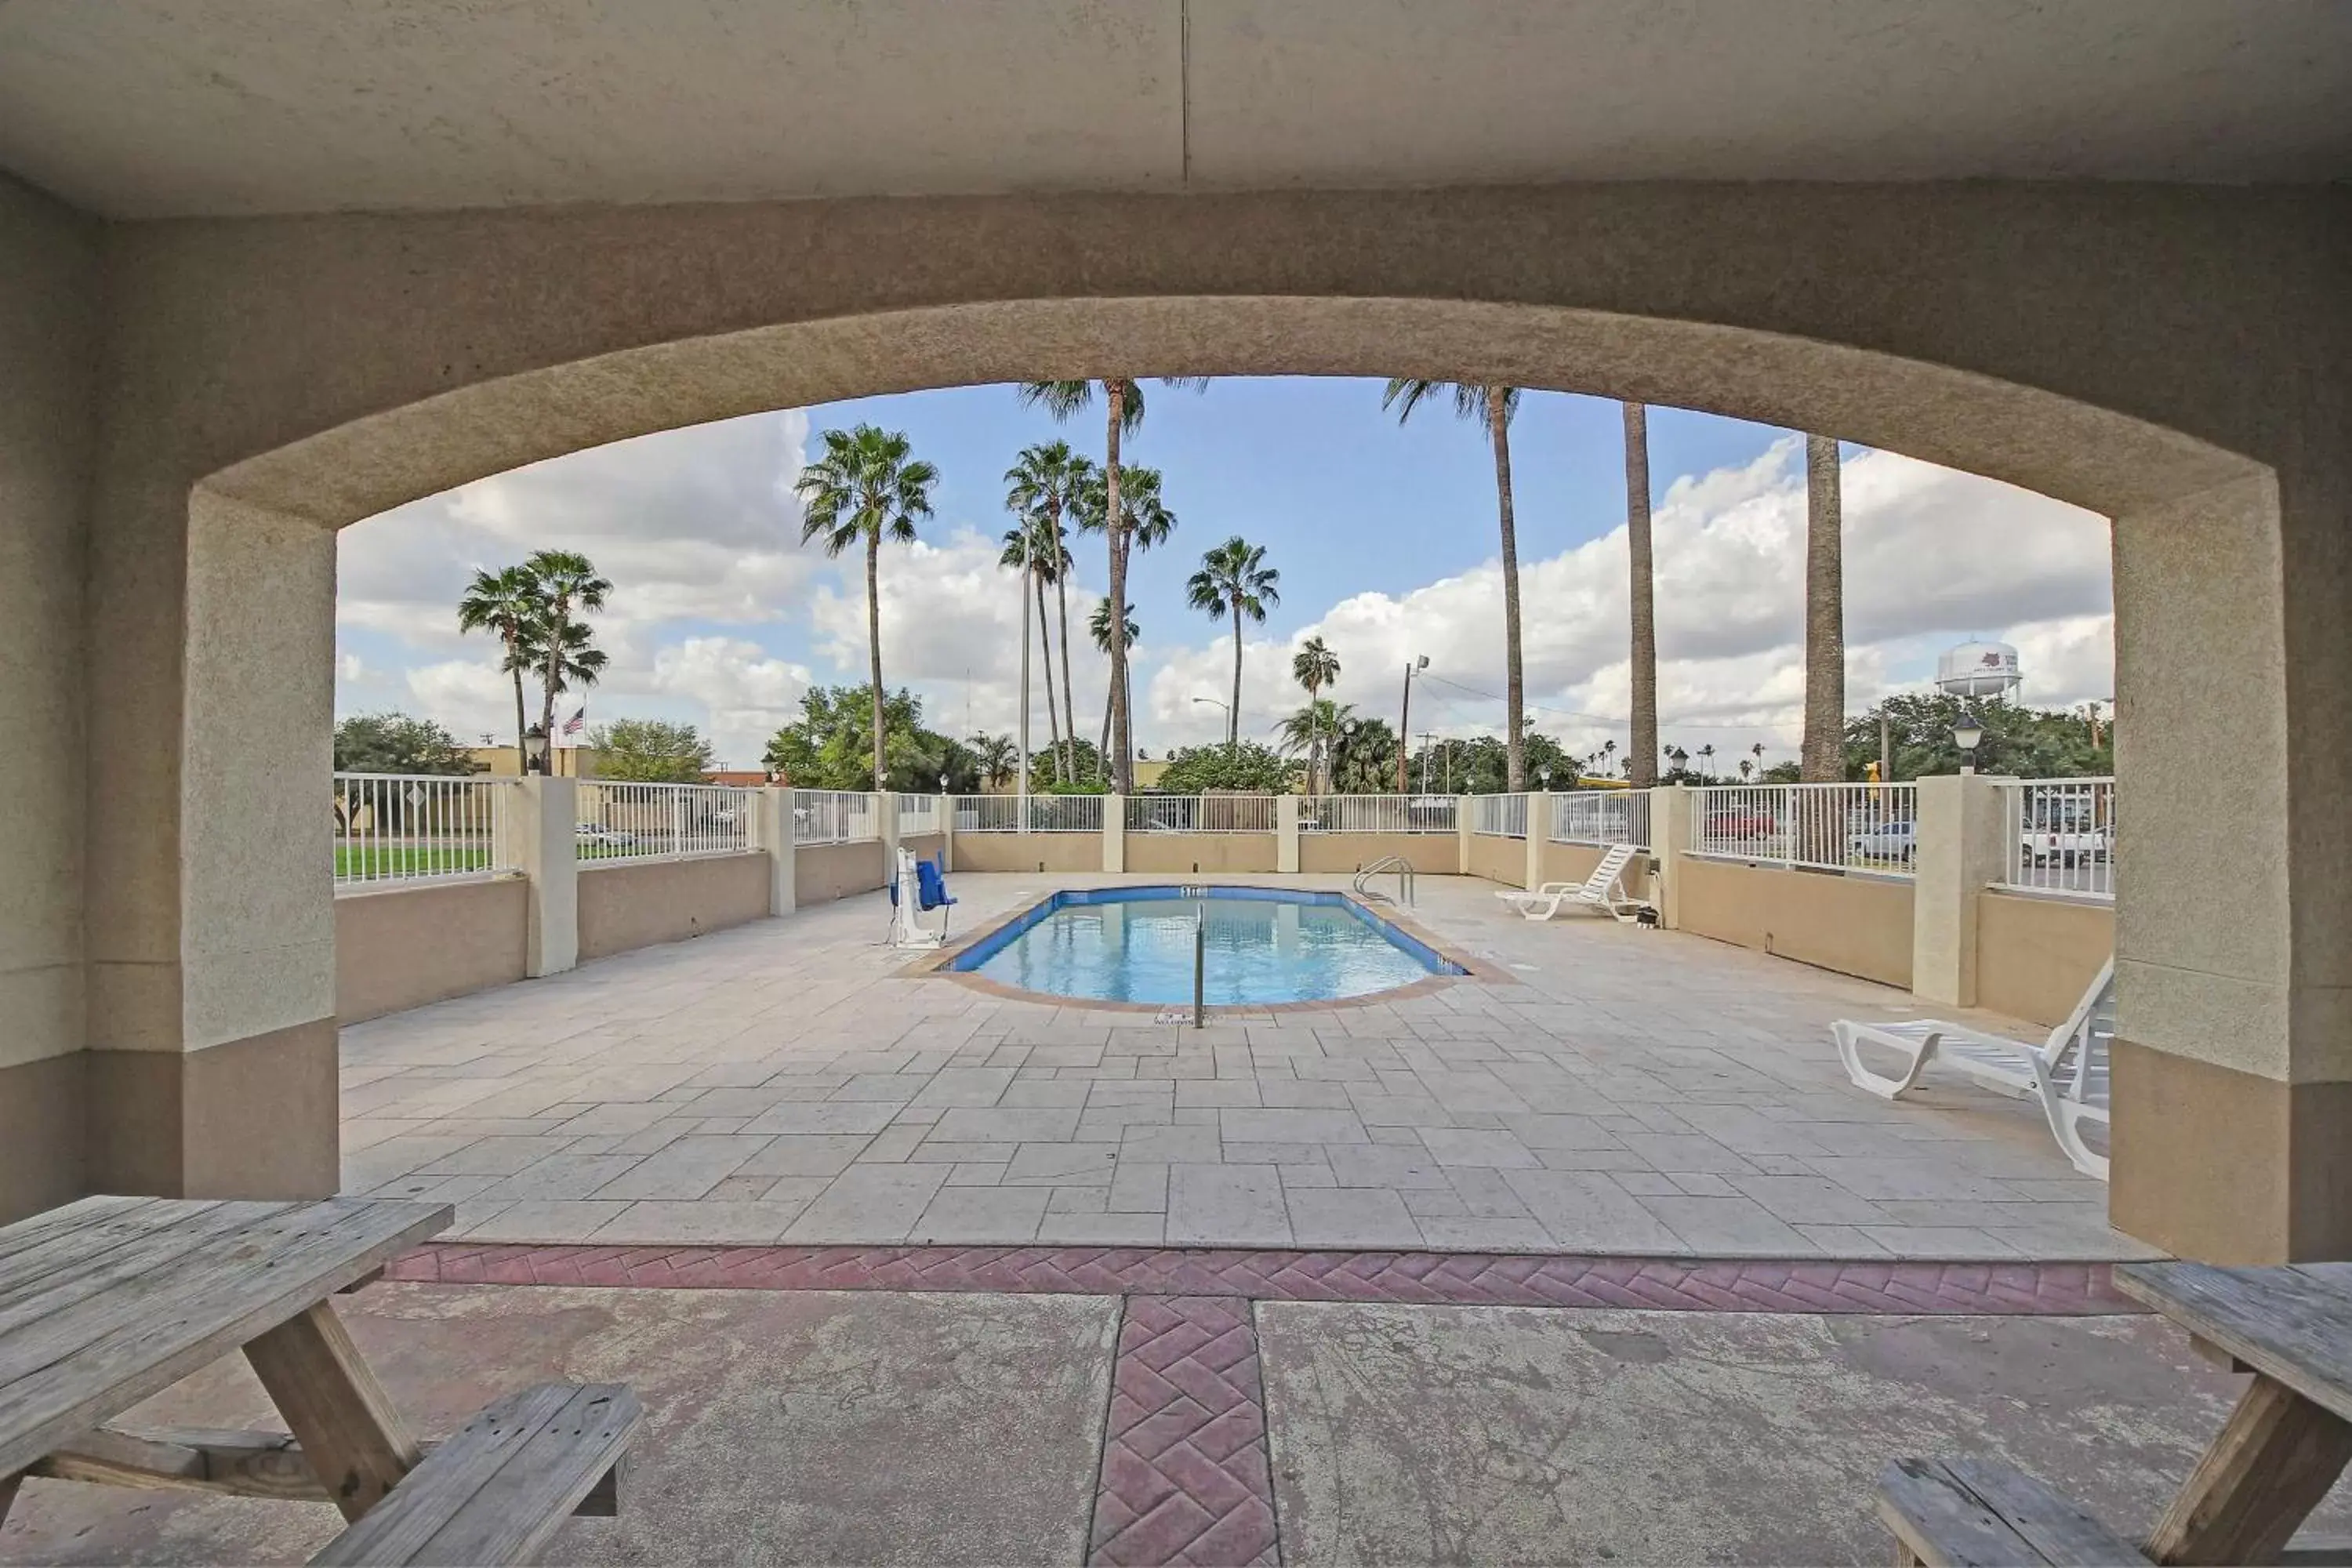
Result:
661,821
420,827
1048,813
1200,813
835,817
917,814
1601,816
1378,813
2059,836
1499,815
1835,827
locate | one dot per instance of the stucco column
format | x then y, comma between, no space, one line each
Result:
1538,829
1671,830
947,831
771,827
1285,833
1463,823
547,813
1114,834
1959,850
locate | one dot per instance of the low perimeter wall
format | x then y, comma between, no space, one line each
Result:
824,872
1429,854
1574,862
1855,925
1209,854
622,906
1499,859
1055,852
2035,957
406,946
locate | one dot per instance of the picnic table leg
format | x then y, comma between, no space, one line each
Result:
337,1410
2256,1482
8,1485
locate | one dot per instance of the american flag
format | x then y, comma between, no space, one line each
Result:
579,717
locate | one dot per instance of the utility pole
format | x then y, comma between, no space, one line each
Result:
1885,748
1024,675
1428,745
1404,727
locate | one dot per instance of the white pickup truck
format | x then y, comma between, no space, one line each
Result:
2066,846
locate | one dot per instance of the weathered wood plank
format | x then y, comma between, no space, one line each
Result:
2055,1526
26,1270
223,1461
400,1530
539,1486
2293,1324
2317,1552
1972,1513
2256,1482
217,1224
65,1373
34,1229
347,1425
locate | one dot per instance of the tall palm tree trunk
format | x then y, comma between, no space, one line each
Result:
1114,528
551,675
1644,757
1102,753
1514,677
1234,714
874,647
522,722
1823,760
1053,714
1069,716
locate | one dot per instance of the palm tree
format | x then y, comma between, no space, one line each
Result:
1823,758
1148,523
1305,731
866,487
568,658
1040,486
1314,666
1234,580
995,755
1124,403
1608,755
1493,405
1026,548
1705,762
504,604
1644,772
1747,770
566,581
1098,624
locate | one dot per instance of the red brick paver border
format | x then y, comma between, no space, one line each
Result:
1450,1279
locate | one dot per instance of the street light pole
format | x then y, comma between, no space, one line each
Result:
1024,674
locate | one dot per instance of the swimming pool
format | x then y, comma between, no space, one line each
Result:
1264,946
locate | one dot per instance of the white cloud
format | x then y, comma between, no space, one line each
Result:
745,694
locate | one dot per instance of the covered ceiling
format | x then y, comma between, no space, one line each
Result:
168,108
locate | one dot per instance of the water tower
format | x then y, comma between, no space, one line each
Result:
1978,669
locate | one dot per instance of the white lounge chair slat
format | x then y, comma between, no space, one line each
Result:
1604,890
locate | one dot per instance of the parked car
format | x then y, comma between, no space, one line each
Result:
2066,846
591,833
1736,822
1884,841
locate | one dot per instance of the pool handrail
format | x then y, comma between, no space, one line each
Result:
1396,863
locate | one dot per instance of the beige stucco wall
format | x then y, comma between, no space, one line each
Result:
1855,925
1574,862
1209,854
625,907
2035,957
1027,851
924,846
1430,854
824,872
404,947
1499,859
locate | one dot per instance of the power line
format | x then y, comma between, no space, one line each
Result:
1604,718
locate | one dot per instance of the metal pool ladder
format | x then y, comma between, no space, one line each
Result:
1396,863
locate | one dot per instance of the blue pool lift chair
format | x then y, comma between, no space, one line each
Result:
920,887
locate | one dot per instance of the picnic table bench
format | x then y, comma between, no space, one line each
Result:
2283,1448
108,1300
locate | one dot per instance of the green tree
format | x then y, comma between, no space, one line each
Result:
2030,742
1041,489
1123,402
832,746
396,743
1308,732
1491,406
1098,626
506,604
1363,756
996,756
1028,546
1150,522
650,751
564,581
1315,667
866,487
1642,767
1244,766
1234,581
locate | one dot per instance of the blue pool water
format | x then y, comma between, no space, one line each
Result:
1264,946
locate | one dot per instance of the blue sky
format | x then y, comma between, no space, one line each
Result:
1385,537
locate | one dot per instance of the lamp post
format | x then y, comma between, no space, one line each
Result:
534,750
1965,735
1228,708
1404,724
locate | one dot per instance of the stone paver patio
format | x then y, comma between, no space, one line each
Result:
1626,1092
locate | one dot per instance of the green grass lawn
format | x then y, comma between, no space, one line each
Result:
364,861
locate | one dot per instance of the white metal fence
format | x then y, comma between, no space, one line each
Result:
1836,827
661,821
2059,836
1048,813
1200,813
1601,816
1499,815
1378,813
919,814
834,816
404,827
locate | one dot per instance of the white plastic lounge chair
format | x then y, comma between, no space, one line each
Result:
1604,890
2067,1072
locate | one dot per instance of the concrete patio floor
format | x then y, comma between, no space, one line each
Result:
1624,1091
825,1426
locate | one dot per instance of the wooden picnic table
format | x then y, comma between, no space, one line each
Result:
108,1300
2291,1435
